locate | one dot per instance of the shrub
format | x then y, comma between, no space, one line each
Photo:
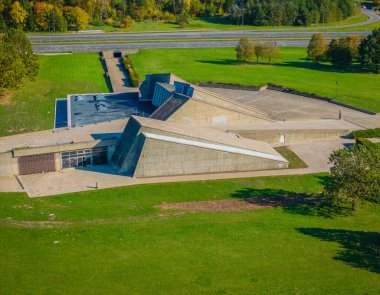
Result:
368,133
126,22
134,76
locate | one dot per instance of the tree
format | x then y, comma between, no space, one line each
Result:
183,19
42,13
353,43
76,17
376,3
317,48
339,53
18,14
369,50
12,70
245,49
271,51
259,51
355,175
126,22
24,51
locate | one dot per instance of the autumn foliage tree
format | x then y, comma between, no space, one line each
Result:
18,14
317,48
245,49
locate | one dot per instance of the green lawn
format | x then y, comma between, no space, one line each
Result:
295,162
32,106
120,244
219,23
355,87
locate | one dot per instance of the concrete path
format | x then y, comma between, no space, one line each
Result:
315,154
10,184
118,75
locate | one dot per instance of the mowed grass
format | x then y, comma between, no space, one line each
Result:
352,86
32,106
119,243
222,23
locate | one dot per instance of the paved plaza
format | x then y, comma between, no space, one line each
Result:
294,107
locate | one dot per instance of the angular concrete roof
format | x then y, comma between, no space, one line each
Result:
209,135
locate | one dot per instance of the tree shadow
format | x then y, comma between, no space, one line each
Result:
360,249
306,64
222,62
293,202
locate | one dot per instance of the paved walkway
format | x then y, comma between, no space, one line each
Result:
315,154
118,75
10,184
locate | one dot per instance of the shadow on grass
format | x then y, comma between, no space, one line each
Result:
303,63
360,249
293,202
107,79
307,64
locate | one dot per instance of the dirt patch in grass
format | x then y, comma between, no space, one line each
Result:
229,205
5,98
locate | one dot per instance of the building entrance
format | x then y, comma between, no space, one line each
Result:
84,158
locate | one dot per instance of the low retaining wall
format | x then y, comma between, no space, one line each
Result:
286,90
232,86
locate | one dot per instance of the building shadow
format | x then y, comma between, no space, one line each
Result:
103,136
105,70
359,249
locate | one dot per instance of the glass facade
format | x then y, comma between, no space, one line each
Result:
84,158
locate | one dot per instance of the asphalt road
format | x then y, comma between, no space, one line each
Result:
147,38
99,47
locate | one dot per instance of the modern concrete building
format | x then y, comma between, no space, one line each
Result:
189,130
151,147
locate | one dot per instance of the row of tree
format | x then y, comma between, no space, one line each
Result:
59,15
246,50
291,12
344,51
17,60
42,16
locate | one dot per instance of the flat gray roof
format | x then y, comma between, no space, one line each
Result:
85,109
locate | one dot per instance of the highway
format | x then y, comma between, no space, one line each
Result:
96,42
174,44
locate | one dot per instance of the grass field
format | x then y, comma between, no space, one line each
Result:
220,23
292,70
295,162
32,106
119,243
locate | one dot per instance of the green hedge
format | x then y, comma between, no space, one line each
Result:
367,143
134,76
368,133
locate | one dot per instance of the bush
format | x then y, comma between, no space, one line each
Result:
126,22
134,76
368,133
365,142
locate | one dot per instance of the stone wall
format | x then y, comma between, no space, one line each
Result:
8,164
